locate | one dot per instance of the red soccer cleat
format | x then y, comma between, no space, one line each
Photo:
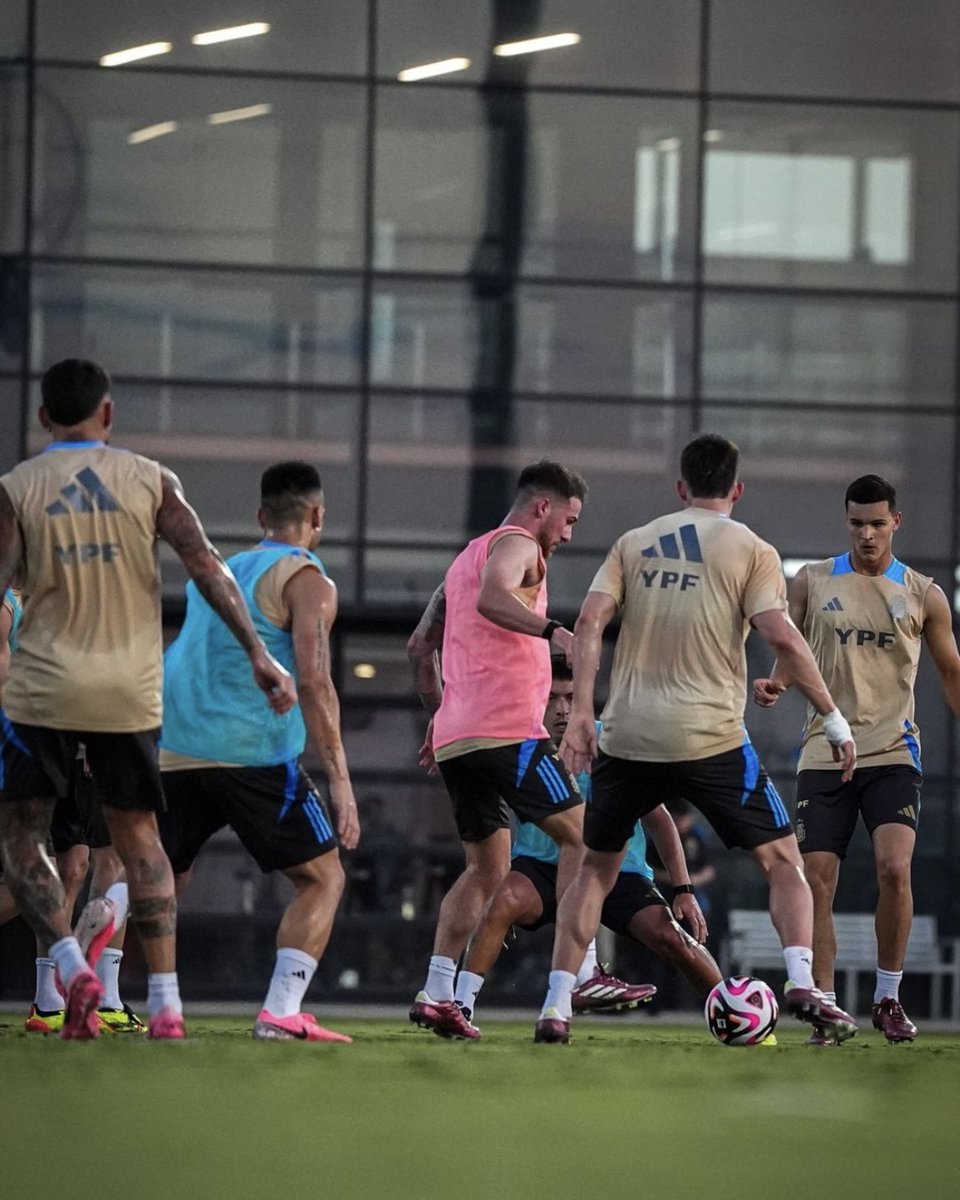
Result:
552,1027
607,993
892,1021
812,1006
444,1017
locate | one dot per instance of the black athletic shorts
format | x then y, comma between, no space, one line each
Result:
40,763
630,894
527,777
276,812
732,791
78,818
827,808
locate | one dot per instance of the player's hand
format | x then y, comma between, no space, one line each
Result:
561,642
425,755
274,680
846,754
766,692
578,748
345,810
686,908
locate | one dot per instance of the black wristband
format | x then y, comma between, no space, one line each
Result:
549,628
679,888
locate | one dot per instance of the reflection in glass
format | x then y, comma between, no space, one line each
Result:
203,325
823,197
248,171
872,353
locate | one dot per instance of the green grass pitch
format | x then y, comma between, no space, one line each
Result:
630,1109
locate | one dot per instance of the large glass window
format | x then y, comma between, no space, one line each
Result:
872,353
544,184
865,49
13,29
533,338
621,43
13,141
199,325
825,197
211,170
314,38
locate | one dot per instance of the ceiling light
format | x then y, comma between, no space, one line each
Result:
532,45
445,67
239,114
254,29
365,670
713,135
149,132
119,57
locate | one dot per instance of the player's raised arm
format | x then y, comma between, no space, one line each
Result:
180,527
514,562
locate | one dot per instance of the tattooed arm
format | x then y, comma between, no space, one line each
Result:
423,650
180,526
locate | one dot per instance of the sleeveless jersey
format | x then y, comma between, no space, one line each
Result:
496,682
213,709
687,584
531,842
90,646
865,633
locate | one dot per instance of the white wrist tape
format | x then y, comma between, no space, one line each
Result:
836,729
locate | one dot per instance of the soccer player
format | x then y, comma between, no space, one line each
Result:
688,585
77,836
865,615
634,908
486,731
225,762
83,519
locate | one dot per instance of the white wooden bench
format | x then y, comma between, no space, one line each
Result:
752,944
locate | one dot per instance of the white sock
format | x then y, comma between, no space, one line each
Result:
831,997
292,973
468,988
119,897
562,984
799,962
888,985
108,968
69,962
47,998
588,968
163,991
440,977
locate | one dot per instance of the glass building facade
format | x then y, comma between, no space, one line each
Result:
374,234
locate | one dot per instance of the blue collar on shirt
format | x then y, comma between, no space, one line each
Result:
74,445
897,571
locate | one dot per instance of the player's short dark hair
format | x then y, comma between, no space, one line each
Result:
871,489
560,668
709,466
287,488
72,390
549,476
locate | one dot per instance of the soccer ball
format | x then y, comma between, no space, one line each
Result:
741,1011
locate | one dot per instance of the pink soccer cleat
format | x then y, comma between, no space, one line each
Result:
893,1022
97,925
167,1025
301,1027
812,1006
552,1027
83,998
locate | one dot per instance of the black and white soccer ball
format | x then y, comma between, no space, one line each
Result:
741,1011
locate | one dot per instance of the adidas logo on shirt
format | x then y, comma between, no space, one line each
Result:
833,605
668,547
89,493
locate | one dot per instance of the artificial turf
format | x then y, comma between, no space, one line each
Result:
631,1108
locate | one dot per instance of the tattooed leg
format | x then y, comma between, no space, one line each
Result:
153,905
29,871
